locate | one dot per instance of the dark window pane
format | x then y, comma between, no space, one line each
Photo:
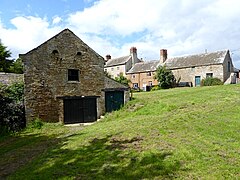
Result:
73,75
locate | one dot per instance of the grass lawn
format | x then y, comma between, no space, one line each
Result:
186,133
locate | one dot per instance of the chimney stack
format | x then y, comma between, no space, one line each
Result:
133,53
108,57
163,55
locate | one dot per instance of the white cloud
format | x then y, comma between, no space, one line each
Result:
117,17
56,20
28,33
113,26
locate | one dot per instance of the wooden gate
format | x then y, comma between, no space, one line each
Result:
80,110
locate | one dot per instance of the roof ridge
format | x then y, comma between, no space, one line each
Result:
198,54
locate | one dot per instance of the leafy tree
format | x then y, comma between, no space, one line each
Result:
4,62
123,80
165,77
17,66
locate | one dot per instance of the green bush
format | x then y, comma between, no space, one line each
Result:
15,92
36,124
136,90
210,81
155,88
12,114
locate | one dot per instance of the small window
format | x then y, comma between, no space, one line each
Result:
150,83
73,75
149,73
112,69
135,85
117,68
133,76
209,75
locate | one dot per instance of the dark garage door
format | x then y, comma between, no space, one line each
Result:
114,100
80,110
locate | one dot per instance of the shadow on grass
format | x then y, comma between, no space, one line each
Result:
105,158
17,151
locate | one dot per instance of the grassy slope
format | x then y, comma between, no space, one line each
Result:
180,133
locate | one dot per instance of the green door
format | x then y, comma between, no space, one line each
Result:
197,80
114,100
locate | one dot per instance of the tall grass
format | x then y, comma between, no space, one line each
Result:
186,133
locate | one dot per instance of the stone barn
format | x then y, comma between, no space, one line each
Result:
194,68
64,81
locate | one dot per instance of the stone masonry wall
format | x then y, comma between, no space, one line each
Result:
115,71
46,76
226,73
188,74
9,78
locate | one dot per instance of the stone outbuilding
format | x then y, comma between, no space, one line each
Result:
64,81
116,94
194,68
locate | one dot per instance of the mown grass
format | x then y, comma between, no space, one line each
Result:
188,133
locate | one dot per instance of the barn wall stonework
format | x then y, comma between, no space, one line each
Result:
46,76
188,74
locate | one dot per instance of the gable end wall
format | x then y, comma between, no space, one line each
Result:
46,77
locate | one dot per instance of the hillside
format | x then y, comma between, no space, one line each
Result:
185,133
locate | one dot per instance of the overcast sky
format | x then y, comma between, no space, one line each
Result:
183,27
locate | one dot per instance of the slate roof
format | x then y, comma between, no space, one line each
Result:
118,61
197,60
144,67
111,84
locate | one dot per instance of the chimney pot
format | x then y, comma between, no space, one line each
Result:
133,53
108,57
133,50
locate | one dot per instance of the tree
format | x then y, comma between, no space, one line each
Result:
17,66
165,77
4,62
123,80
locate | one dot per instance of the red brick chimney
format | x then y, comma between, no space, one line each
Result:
163,55
133,53
108,57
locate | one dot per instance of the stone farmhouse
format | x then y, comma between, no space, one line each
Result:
188,69
142,74
121,65
194,68
65,81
